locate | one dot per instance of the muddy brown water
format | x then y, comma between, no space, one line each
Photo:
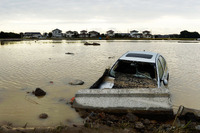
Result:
26,65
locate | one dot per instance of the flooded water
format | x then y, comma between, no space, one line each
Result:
27,65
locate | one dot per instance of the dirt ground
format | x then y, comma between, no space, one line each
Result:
128,81
117,123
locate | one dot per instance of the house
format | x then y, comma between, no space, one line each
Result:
57,33
134,34
147,34
138,35
110,33
93,34
32,35
76,34
83,33
69,34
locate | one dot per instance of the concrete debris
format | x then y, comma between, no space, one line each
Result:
43,116
39,92
76,82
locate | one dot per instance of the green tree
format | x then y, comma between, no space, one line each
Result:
187,34
50,35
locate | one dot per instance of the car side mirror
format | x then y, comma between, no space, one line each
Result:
165,82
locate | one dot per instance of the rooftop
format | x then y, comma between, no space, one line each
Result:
143,56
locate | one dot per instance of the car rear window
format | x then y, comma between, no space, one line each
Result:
146,56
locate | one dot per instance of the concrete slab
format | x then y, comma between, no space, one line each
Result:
141,99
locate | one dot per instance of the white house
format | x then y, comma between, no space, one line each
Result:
134,34
83,33
93,33
70,34
147,34
32,35
139,35
57,33
110,33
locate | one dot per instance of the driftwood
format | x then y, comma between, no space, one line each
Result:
94,44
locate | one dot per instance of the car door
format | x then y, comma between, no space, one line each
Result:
160,72
163,70
164,66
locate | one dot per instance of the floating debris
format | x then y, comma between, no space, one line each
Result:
43,116
39,92
111,57
2,42
69,53
95,44
76,82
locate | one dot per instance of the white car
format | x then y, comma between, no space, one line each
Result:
136,82
148,65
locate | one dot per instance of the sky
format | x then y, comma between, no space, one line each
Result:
122,16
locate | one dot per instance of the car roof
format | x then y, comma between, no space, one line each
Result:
142,56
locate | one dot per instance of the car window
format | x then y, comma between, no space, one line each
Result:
160,69
163,62
136,69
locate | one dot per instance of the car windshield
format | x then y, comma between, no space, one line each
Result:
136,69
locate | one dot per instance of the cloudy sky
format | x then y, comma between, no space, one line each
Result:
158,16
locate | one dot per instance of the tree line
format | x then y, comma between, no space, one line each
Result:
187,34
183,34
9,35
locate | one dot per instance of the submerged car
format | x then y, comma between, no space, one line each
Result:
137,82
140,69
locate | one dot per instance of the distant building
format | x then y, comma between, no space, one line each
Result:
110,33
57,33
147,34
32,35
70,34
83,34
94,34
76,34
135,34
144,34
139,35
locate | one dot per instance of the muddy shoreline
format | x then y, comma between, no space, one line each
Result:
109,122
